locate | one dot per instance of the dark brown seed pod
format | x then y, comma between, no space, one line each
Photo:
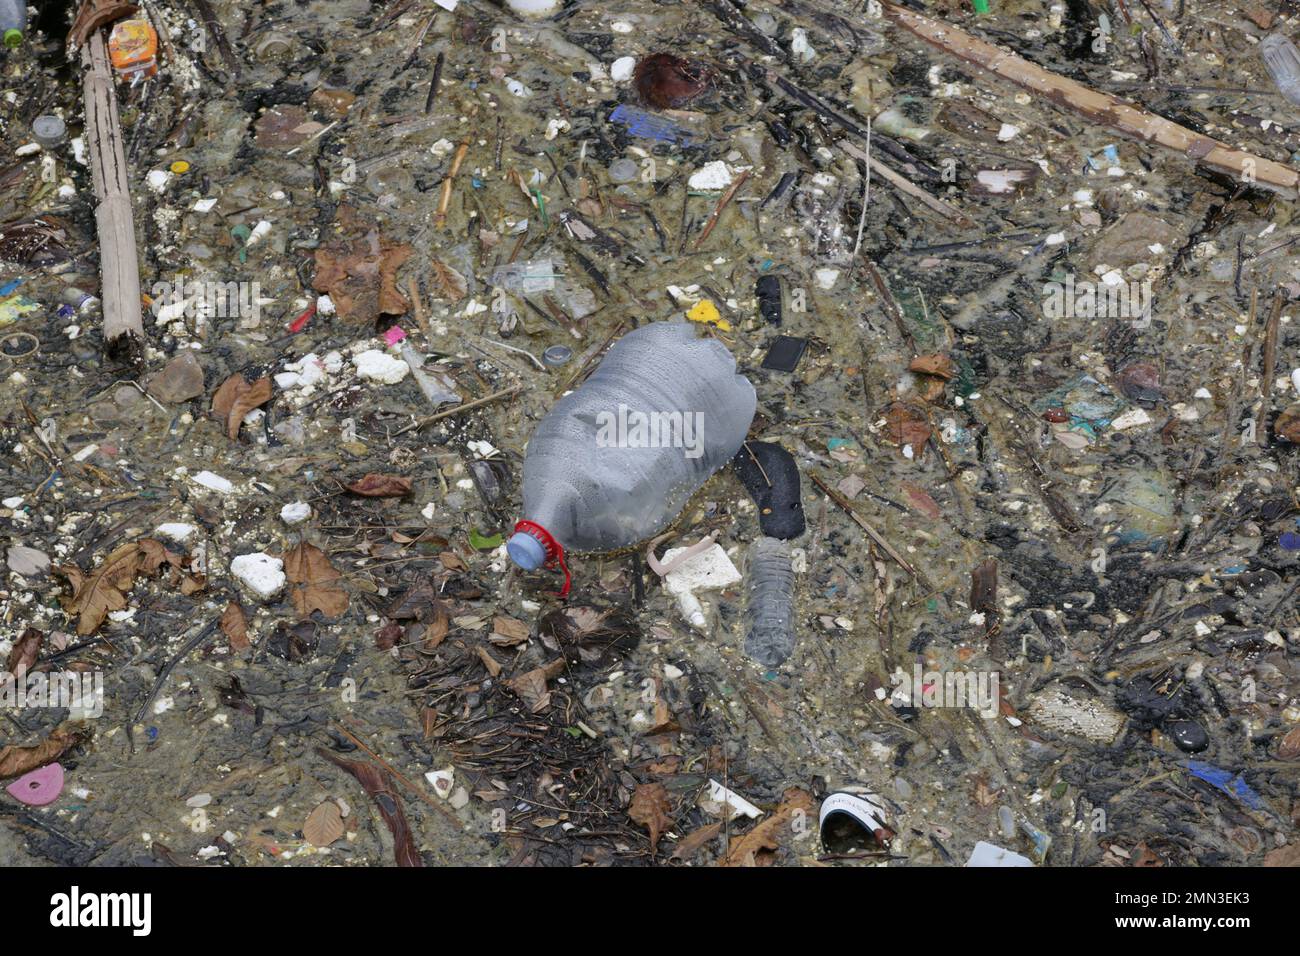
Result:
668,82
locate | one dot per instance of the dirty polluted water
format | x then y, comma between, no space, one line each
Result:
632,433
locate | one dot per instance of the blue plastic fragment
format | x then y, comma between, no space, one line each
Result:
1225,781
641,123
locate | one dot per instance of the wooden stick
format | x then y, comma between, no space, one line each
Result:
872,533
118,263
722,204
902,184
1270,367
445,199
468,406
1098,107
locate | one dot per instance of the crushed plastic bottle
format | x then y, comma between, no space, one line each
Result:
614,461
769,611
1283,62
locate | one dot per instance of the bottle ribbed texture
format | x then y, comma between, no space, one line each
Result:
769,610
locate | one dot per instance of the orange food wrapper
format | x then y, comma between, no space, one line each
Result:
133,48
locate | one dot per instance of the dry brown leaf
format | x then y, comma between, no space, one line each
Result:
25,651
16,761
436,631
104,590
766,835
314,582
236,398
1287,425
376,485
906,425
193,583
389,636
234,624
511,631
921,501
937,364
360,274
692,843
452,283
531,686
490,662
154,554
649,808
324,825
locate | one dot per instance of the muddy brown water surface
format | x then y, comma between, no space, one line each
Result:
1087,512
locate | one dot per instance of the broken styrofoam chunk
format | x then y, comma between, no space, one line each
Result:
710,570
261,575
375,366
177,531
324,305
204,205
711,176
719,797
213,481
158,179
310,370
986,854
295,513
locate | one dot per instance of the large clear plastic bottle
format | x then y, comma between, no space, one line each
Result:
13,22
769,610
1283,62
616,460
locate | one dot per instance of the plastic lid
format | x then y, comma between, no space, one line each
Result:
526,551
13,37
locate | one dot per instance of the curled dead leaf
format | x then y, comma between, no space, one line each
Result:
236,398
766,835
234,624
937,364
650,807
25,651
374,485
16,761
104,590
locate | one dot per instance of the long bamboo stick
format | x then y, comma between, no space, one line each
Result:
1099,107
119,264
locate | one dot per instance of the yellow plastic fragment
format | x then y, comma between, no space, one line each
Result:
705,311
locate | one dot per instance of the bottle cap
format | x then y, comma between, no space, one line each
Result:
526,551
13,37
48,130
